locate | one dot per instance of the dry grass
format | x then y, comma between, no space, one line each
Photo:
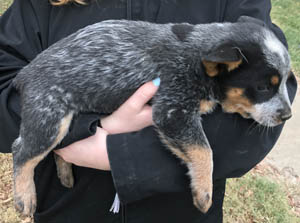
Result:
7,210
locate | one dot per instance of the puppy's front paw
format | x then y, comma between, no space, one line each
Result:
200,169
202,199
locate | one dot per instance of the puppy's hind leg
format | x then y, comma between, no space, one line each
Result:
36,140
64,171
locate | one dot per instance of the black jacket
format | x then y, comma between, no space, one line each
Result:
151,183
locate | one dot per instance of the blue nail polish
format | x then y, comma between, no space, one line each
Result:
156,81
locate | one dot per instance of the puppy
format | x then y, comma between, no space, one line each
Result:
241,66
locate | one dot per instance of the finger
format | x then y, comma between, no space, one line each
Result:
137,101
146,115
60,152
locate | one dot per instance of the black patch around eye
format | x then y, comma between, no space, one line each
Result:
263,88
261,93
182,31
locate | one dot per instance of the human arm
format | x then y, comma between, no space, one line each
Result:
134,115
18,46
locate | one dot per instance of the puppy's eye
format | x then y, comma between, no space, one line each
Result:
263,88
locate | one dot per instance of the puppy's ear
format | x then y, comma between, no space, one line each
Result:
226,55
248,19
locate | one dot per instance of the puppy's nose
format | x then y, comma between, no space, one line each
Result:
285,114
286,117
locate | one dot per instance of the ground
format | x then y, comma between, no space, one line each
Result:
286,152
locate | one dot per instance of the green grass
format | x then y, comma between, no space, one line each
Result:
254,198
4,5
286,14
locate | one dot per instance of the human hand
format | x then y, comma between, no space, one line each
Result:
133,115
90,152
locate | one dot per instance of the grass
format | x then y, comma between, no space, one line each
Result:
4,5
286,14
255,198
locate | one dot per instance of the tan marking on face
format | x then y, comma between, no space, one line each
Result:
275,80
236,102
233,65
24,188
206,106
211,68
200,170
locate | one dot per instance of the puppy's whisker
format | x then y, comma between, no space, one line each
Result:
245,58
256,127
251,127
268,128
264,129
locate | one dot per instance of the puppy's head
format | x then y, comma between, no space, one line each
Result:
251,71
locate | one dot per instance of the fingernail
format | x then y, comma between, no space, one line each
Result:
156,82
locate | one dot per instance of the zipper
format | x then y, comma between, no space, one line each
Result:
124,217
129,17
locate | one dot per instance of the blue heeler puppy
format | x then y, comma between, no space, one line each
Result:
241,66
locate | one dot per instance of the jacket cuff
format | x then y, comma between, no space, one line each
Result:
142,167
83,126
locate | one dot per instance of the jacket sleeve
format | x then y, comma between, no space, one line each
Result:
23,35
19,44
142,167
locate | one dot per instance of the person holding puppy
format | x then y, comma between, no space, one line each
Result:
121,152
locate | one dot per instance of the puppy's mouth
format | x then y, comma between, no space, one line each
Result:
247,115
269,122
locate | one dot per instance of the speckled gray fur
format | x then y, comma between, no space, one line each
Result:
97,68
